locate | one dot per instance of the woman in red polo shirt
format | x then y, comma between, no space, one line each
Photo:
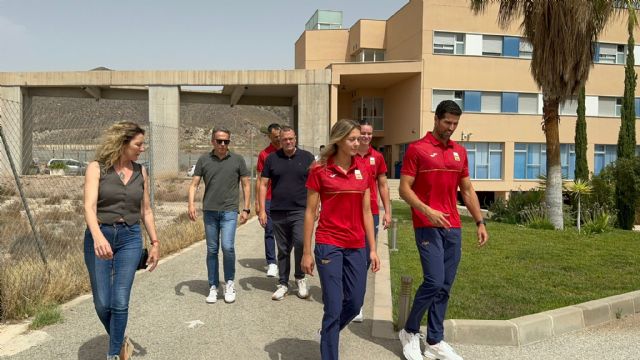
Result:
343,188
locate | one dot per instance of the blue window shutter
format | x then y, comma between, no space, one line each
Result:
511,46
596,52
509,102
472,101
637,104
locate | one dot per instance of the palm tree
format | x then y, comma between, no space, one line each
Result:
562,33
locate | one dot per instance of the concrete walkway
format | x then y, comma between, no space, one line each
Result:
165,303
170,320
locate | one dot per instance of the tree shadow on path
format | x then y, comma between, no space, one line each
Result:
97,347
195,286
293,349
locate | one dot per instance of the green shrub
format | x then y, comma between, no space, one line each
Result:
627,191
510,211
535,217
598,219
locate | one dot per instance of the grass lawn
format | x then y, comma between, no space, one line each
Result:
523,271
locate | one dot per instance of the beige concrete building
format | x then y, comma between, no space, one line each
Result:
395,71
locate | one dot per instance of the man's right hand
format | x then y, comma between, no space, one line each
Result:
437,218
192,212
263,218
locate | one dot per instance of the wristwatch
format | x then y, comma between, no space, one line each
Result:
481,222
248,211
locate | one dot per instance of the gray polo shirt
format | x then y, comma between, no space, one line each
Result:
221,178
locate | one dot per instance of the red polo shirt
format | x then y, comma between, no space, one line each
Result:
374,161
261,158
341,220
437,169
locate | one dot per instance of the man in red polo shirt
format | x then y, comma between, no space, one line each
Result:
269,241
433,169
369,158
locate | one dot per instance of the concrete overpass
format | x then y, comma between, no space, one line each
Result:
307,91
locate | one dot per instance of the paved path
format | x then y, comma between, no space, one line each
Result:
255,327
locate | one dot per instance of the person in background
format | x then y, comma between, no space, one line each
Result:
433,169
222,170
370,158
345,222
317,157
286,170
269,242
116,198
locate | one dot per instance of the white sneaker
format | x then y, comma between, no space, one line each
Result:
359,318
410,345
442,351
280,292
303,290
272,270
229,292
213,295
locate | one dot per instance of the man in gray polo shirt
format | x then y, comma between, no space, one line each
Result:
222,170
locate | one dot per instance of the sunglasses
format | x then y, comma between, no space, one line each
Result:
220,142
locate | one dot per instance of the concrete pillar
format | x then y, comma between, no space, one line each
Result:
17,126
313,115
164,125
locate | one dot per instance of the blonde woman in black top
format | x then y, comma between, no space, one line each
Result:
116,198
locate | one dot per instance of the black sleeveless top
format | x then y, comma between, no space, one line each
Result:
119,201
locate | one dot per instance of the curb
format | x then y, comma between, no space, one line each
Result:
544,325
514,332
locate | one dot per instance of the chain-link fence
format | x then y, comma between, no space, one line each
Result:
50,142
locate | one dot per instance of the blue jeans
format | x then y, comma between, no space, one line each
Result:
111,280
220,225
440,252
343,276
269,240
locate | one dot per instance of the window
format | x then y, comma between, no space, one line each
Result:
448,43
441,95
527,103
492,45
568,161
509,102
604,155
526,49
530,161
369,55
491,102
609,106
485,160
370,109
569,107
611,53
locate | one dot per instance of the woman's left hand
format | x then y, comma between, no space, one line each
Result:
154,256
375,262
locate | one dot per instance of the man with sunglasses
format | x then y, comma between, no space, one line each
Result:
222,170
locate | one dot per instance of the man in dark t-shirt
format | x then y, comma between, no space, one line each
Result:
221,170
287,170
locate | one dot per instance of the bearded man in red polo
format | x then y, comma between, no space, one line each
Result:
433,169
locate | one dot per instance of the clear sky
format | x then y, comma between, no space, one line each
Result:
61,35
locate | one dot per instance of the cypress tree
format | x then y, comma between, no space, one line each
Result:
580,139
627,134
